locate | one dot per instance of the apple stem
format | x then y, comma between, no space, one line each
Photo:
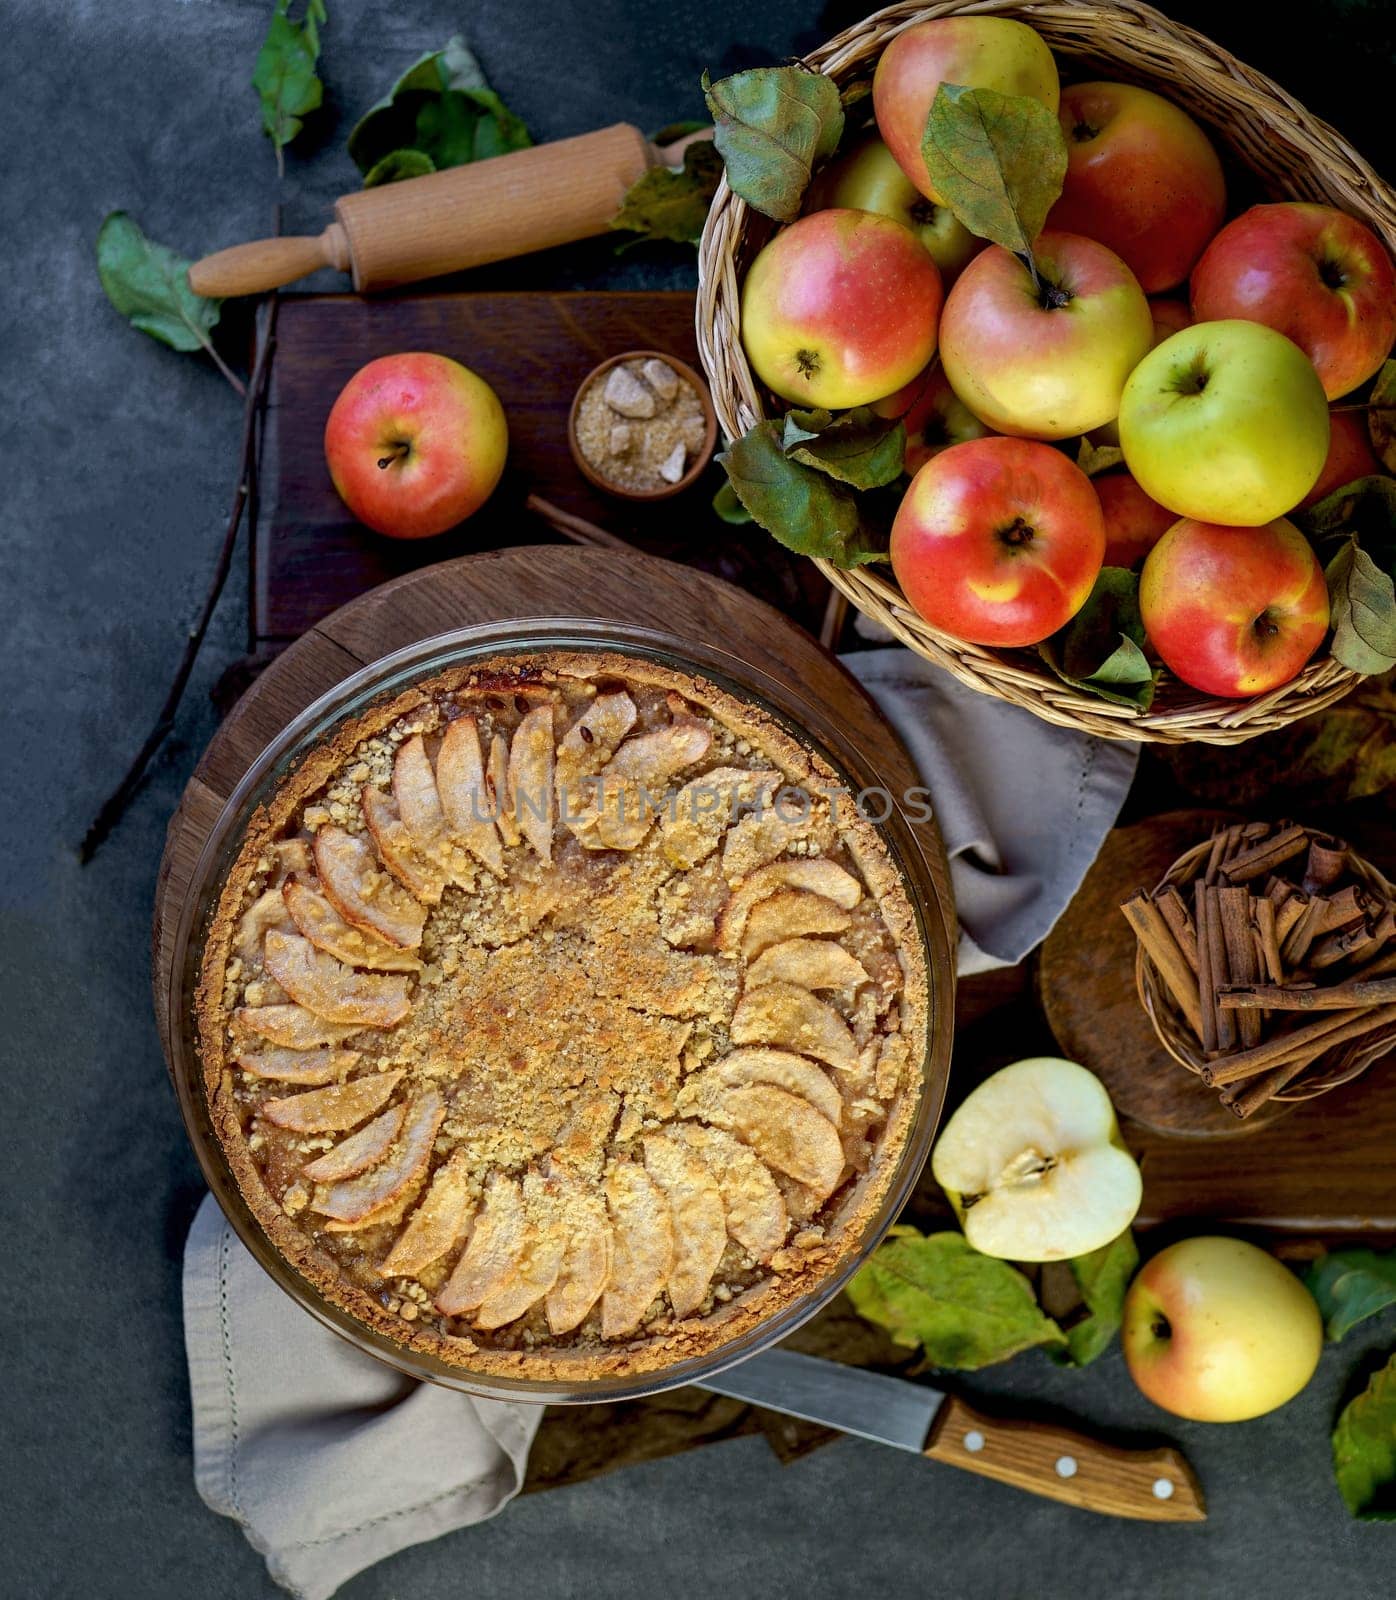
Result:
399,450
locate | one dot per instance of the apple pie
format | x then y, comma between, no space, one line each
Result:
562,1017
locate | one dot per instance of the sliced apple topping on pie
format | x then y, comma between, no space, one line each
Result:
266,912
751,1198
384,1189
501,799
642,1251
335,1109
363,894
811,963
630,788
586,747
495,1246
414,790
540,1261
789,914
784,1015
437,1225
318,921
360,1150
786,1132
289,1026
531,779
700,1226
586,1262
417,870
815,876
702,811
465,800
782,1068
308,1067
330,989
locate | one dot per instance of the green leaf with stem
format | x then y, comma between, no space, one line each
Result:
284,76
1364,1449
1101,650
1350,1286
148,284
1100,1279
773,125
669,204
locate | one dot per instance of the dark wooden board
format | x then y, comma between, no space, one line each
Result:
309,554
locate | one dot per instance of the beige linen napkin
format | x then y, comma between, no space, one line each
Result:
330,1460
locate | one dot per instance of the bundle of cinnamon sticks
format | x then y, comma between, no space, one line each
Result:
1277,923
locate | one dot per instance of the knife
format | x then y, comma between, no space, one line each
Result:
1150,1485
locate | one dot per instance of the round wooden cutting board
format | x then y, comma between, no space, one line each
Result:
1088,992
534,581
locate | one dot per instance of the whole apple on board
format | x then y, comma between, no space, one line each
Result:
974,52
869,179
1226,422
840,308
1311,272
1034,1165
415,443
1217,1330
1234,611
998,541
1050,360
1141,177
933,415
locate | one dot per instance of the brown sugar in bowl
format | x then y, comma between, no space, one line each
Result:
698,459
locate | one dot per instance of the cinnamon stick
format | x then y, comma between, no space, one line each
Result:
1162,949
1235,909
1328,857
1350,996
1352,939
1307,1042
1175,913
1267,854
1267,931
1340,908
1207,993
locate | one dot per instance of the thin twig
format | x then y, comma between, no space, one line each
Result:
239,387
573,527
116,802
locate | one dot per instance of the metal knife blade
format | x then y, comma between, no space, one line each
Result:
851,1399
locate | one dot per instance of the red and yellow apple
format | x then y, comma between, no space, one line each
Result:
1233,611
869,179
1134,524
998,541
933,415
1311,272
1226,422
1048,361
1141,177
1217,1330
1350,456
975,52
415,443
840,309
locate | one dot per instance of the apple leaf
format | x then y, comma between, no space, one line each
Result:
997,160
1350,1286
665,203
1101,1279
443,108
398,165
1101,650
1362,599
1097,458
962,1308
284,76
805,510
1364,1449
729,508
1381,419
773,125
857,447
148,285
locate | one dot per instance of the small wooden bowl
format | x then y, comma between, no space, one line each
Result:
1338,1066
702,456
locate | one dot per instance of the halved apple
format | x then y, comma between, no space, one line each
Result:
1034,1164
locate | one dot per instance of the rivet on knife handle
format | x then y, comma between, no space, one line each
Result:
1150,1485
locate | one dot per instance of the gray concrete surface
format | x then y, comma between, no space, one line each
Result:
118,456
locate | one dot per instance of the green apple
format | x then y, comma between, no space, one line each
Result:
1034,1164
1217,1330
869,179
1225,422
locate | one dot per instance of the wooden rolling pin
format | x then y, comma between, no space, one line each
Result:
447,221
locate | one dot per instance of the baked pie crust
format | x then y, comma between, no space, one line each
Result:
560,1018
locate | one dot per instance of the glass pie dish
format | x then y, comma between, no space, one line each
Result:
473,650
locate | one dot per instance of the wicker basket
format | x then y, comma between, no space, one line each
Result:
1340,1065
1292,153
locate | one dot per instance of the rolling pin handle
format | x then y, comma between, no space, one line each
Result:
269,263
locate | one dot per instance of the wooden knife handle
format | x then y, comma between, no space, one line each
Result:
269,263
1150,1485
